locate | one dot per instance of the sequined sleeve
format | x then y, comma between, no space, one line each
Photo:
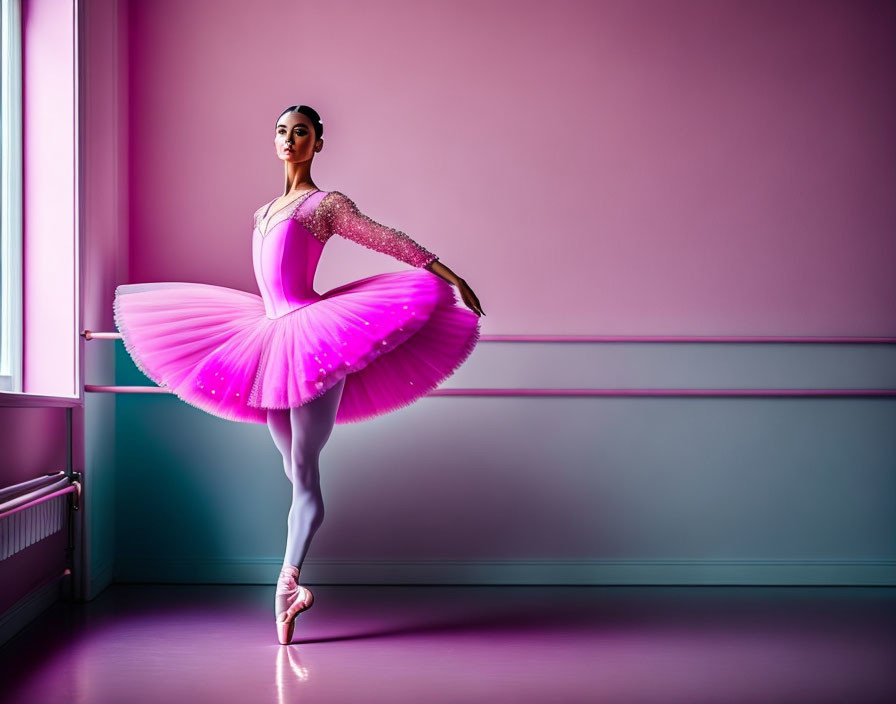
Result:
338,214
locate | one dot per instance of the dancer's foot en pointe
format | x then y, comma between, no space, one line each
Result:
291,599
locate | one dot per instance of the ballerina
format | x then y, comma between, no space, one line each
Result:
295,359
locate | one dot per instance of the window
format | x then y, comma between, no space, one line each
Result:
10,196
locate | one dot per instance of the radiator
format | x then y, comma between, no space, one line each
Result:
33,510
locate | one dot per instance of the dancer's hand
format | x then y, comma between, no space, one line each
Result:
469,297
466,293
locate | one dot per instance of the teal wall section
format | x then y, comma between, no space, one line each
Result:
539,490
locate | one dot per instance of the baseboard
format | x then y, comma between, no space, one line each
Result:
517,572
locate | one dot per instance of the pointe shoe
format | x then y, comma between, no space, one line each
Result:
291,599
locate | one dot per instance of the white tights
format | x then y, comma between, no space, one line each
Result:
300,434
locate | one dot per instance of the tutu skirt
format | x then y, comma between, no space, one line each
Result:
394,336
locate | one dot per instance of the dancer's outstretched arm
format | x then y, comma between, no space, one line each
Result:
338,214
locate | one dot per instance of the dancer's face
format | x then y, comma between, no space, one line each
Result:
294,138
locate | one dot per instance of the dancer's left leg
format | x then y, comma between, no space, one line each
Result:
311,426
300,434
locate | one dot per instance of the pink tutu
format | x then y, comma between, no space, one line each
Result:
394,336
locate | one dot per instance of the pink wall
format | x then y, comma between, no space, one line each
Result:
690,167
104,203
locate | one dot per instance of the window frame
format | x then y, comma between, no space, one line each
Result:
11,245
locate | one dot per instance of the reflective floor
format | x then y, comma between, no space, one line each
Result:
135,644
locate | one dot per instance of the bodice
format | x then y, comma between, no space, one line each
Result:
285,259
287,245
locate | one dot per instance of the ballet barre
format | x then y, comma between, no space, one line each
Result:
628,392
90,335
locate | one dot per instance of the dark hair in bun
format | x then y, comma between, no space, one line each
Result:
311,114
